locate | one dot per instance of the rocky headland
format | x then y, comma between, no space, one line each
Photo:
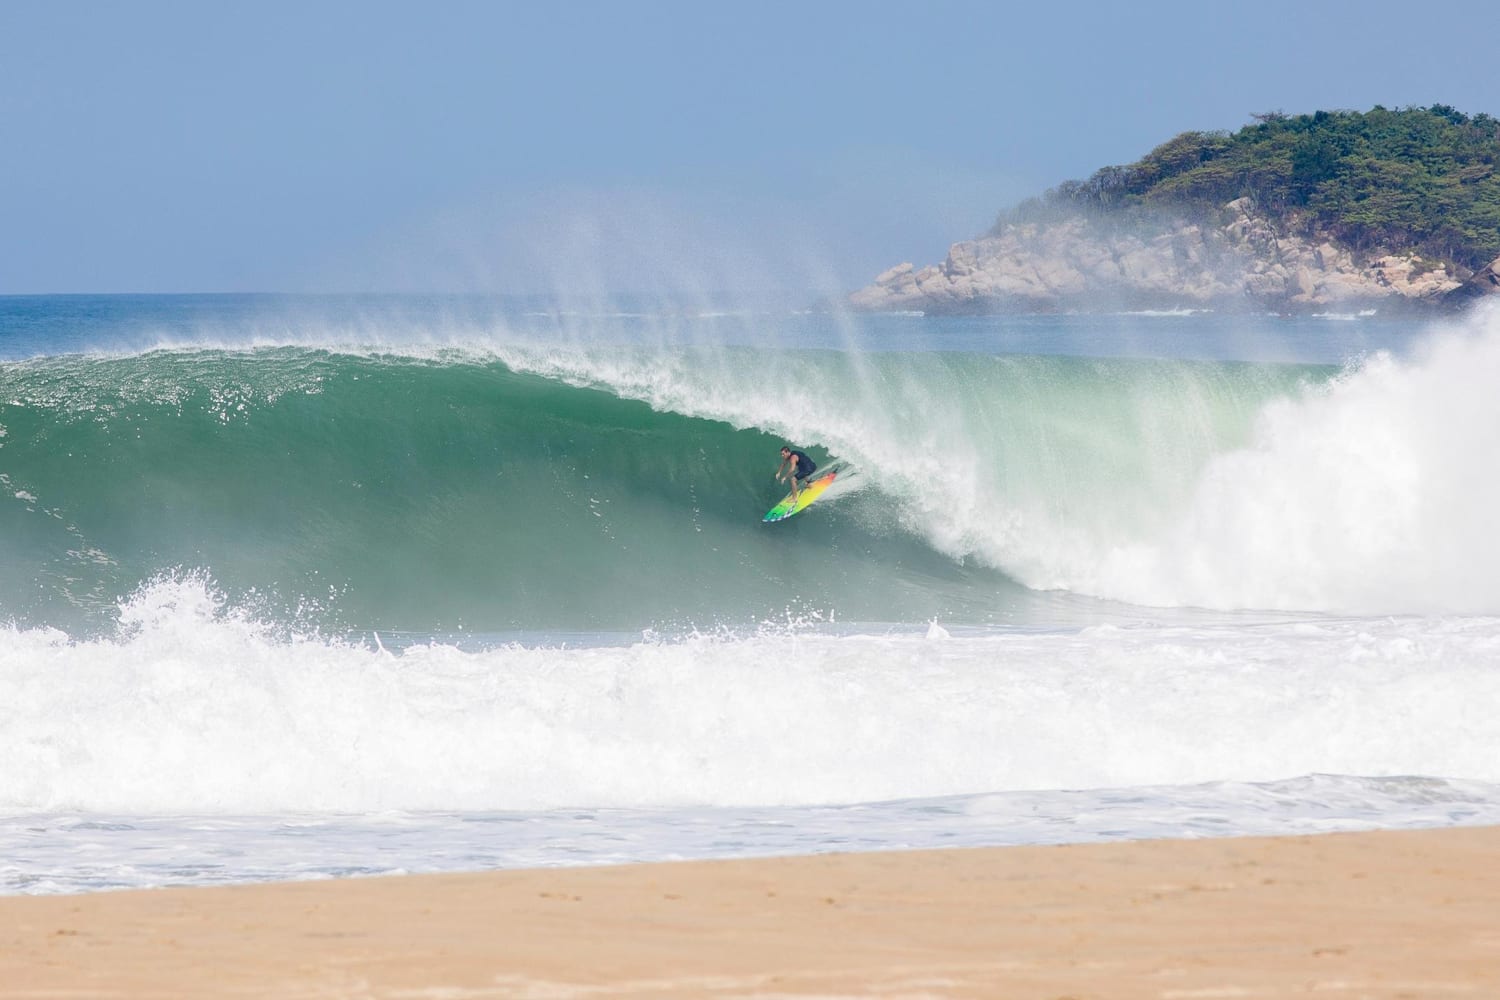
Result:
1359,222
1241,262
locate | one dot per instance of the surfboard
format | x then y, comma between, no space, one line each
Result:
805,496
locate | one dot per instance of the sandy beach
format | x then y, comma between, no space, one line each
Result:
1371,915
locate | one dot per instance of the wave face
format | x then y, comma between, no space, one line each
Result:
569,488
430,494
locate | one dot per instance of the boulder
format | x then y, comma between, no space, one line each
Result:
1484,284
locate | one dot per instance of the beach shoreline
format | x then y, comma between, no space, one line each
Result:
1379,914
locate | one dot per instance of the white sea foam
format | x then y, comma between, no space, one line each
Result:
1374,493
195,709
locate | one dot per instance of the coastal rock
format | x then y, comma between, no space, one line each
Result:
1080,263
1484,283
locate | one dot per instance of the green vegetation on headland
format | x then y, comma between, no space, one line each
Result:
1424,179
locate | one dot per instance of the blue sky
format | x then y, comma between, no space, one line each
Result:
589,147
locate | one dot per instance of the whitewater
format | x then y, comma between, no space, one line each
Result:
308,587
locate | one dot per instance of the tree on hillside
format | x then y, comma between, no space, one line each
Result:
1420,178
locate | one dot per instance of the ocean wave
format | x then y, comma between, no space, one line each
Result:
498,485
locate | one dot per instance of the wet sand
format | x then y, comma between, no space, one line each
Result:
1372,915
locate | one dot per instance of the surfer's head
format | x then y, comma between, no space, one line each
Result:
786,450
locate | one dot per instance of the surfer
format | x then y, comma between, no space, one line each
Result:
798,467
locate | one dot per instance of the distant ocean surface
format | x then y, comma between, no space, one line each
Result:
308,586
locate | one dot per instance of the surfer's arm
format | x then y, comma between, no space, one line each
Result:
782,466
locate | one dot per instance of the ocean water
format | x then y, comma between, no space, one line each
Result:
305,587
